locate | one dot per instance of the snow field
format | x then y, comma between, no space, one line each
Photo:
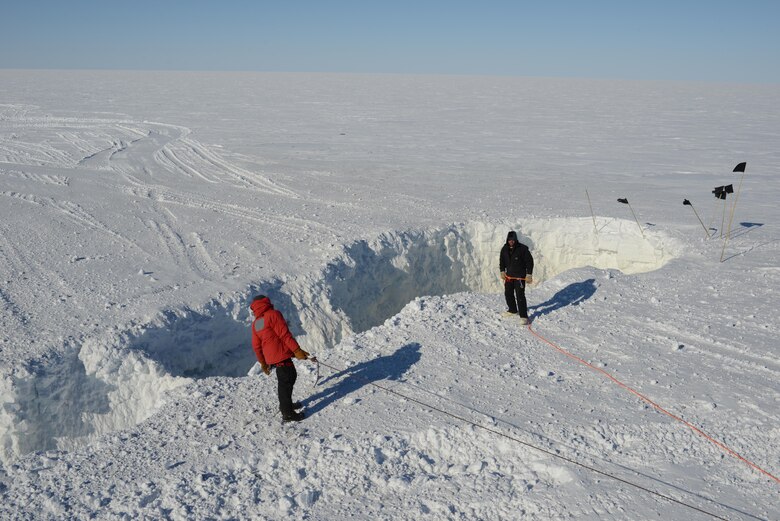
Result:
134,232
219,445
118,381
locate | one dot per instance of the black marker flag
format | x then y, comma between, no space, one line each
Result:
720,193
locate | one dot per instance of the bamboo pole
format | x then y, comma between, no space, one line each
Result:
625,201
738,168
714,216
688,203
591,211
637,221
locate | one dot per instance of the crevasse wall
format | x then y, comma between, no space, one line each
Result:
106,384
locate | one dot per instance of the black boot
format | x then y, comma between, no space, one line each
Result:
293,417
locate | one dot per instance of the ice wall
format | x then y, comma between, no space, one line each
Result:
373,280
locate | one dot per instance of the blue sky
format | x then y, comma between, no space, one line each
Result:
630,39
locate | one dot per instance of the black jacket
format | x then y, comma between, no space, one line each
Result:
518,261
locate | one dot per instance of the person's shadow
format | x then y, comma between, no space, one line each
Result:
571,295
342,383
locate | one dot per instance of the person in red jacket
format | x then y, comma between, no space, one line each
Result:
275,348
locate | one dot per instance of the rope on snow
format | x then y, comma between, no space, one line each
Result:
530,445
655,405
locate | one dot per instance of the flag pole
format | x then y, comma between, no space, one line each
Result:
591,211
721,192
625,201
739,168
688,203
712,220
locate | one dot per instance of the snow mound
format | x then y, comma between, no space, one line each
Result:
105,384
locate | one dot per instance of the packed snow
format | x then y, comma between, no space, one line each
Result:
140,212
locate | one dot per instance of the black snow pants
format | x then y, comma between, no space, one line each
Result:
514,291
286,376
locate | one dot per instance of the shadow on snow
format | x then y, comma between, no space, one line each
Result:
347,381
571,295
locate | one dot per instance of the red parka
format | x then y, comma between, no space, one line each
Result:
271,339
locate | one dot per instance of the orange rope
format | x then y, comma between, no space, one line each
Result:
655,405
514,278
554,454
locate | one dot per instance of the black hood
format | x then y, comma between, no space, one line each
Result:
511,235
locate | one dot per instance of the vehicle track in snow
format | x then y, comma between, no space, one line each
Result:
72,211
192,255
52,179
13,316
24,269
242,176
168,158
16,151
707,345
78,142
164,195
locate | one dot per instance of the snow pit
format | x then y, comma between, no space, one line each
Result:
372,281
111,383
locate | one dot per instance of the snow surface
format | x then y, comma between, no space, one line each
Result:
140,212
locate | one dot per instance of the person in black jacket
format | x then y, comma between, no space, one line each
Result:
517,265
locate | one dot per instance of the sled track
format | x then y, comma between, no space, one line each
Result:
49,285
51,179
19,152
244,177
164,195
12,266
102,139
736,355
168,158
71,211
193,257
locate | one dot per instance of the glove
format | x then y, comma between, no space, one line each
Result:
503,276
529,279
265,368
300,354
